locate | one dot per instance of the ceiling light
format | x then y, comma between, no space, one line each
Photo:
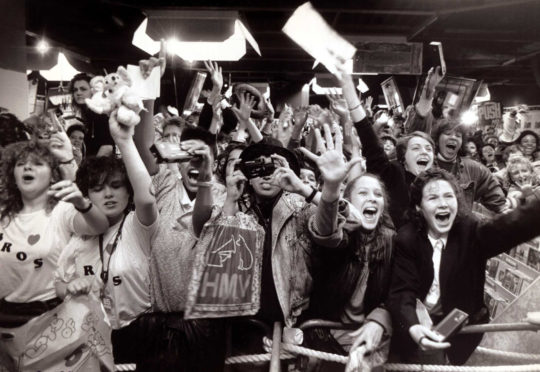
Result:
196,42
62,71
42,47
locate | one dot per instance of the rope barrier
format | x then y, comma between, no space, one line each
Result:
476,328
401,367
125,367
508,354
256,358
434,368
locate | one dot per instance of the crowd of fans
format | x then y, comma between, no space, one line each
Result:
365,220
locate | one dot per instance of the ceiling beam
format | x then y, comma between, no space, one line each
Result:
521,58
487,5
422,27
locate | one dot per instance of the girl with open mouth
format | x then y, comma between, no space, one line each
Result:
439,264
355,275
477,182
415,153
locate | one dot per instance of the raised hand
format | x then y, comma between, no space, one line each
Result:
270,111
119,132
67,191
368,104
60,146
434,77
215,74
243,110
235,182
202,160
338,105
332,164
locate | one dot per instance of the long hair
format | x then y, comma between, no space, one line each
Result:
11,201
417,191
338,271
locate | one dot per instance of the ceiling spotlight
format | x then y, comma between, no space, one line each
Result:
42,47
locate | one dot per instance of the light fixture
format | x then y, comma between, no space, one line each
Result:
42,46
318,89
62,71
189,35
469,117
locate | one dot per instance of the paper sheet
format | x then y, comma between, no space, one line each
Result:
310,31
148,88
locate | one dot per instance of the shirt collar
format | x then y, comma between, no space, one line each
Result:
433,241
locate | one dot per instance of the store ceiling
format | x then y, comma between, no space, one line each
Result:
494,40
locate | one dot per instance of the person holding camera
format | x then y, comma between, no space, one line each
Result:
264,184
439,265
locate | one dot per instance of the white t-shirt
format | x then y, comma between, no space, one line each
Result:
128,284
29,249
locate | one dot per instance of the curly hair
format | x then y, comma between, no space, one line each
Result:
96,170
417,193
11,129
513,164
11,201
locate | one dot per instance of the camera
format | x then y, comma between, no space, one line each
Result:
451,324
167,152
256,168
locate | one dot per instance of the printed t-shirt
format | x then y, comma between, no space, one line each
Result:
127,288
29,249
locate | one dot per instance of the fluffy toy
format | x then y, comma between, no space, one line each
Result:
116,95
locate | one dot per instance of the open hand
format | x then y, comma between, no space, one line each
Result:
243,110
332,164
67,190
215,74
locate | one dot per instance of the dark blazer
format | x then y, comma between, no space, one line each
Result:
462,271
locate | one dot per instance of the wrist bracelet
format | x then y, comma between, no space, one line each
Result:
355,107
204,184
67,161
311,196
84,210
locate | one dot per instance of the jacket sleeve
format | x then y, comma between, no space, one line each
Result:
416,122
376,159
381,316
332,214
404,287
488,191
505,231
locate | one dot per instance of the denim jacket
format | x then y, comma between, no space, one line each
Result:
292,255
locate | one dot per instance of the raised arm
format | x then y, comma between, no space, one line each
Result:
204,200
143,191
243,112
144,131
421,118
334,170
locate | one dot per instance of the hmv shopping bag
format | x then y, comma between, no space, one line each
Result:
226,278
71,337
